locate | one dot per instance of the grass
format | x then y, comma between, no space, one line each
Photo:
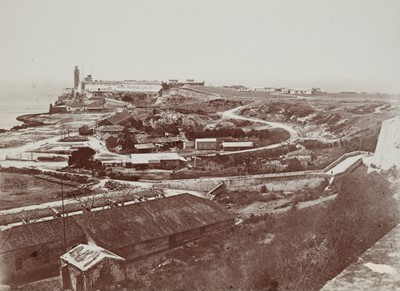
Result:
18,190
306,247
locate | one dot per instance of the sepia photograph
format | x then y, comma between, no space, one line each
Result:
200,145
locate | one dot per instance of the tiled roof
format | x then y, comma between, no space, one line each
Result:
119,117
34,234
127,225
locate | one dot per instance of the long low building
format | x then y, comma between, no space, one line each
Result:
153,226
206,144
145,148
237,146
157,160
139,88
29,252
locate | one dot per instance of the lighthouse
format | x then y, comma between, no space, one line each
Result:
76,77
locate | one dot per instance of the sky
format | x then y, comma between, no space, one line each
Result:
336,45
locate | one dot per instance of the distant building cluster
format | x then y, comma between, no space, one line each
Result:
174,83
286,90
80,97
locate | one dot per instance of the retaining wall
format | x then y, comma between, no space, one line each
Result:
342,158
273,182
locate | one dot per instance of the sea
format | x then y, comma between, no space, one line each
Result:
19,98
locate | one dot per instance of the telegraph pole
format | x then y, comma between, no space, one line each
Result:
63,214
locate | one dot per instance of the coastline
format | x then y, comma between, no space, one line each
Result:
25,118
27,121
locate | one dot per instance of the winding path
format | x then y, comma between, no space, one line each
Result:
231,114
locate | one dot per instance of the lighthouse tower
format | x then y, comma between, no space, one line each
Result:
76,77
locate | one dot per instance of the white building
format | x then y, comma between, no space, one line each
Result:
206,143
237,146
387,153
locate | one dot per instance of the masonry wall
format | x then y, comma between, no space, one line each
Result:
273,182
191,93
106,272
341,159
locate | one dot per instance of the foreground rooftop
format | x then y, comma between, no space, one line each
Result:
377,269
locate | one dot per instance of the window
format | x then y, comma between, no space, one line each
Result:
35,256
18,264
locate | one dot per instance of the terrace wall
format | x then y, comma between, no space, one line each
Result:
273,182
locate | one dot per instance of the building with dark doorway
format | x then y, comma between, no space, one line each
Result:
89,267
30,252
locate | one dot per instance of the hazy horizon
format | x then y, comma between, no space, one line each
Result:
335,45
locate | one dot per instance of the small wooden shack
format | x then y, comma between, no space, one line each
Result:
89,267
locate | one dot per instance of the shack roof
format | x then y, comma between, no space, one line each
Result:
40,233
142,146
138,159
206,140
123,226
110,128
108,136
244,144
118,118
86,256
171,139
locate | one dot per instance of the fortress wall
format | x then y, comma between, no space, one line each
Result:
191,93
387,153
341,159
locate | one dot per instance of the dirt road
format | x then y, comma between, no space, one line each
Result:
231,114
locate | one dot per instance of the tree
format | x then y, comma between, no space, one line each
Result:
294,165
82,158
126,140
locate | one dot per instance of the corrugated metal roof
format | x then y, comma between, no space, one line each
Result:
86,256
142,146
132,224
